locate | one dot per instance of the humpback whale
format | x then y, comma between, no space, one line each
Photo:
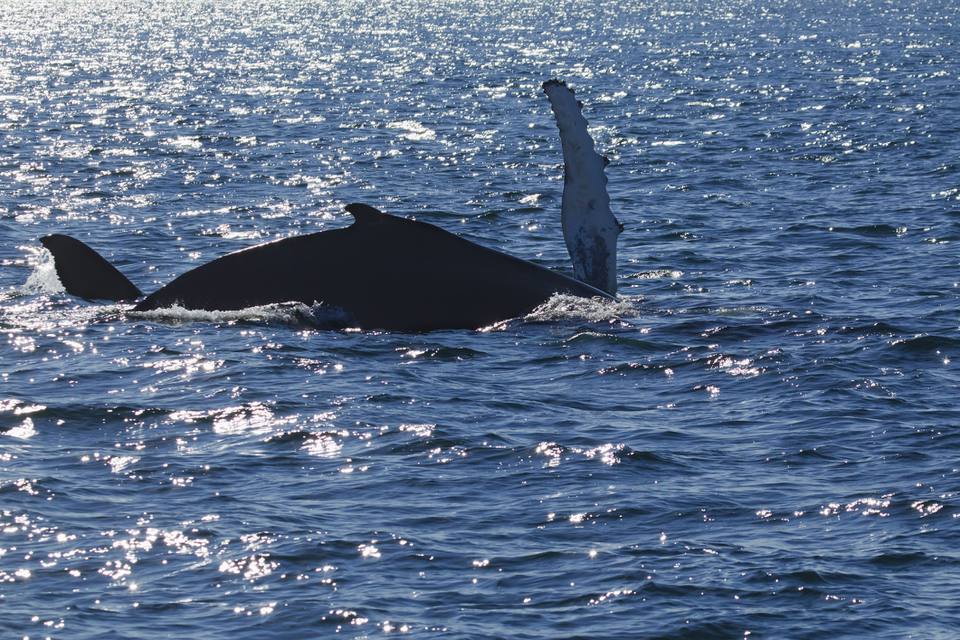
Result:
387,272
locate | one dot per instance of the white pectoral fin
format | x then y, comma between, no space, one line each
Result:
590,229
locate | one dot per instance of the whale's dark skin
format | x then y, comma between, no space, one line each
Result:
384,272
85,273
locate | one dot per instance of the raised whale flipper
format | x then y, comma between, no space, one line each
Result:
590,229
85,273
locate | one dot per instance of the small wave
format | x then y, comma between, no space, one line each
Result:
607,338
872,230
879,328
901,559
451,354
296,313
414,130
295,436
657,274
23,431
566,307
926,343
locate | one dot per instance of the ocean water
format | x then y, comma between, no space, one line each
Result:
760,439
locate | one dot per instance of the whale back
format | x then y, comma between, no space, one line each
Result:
385,272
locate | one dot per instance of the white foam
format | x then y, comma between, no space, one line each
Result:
23,431
566,307
285,312
44,278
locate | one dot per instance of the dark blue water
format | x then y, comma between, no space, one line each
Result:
760,440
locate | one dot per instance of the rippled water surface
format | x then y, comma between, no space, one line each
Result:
760,439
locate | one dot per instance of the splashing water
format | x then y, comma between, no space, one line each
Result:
565,307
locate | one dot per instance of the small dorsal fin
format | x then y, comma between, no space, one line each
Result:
85,273
364,213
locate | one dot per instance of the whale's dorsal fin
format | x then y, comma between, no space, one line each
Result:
85,273
590,229
365,214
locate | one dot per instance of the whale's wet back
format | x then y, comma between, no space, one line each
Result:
384,272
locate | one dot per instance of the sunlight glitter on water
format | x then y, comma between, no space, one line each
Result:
325,445
789,193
